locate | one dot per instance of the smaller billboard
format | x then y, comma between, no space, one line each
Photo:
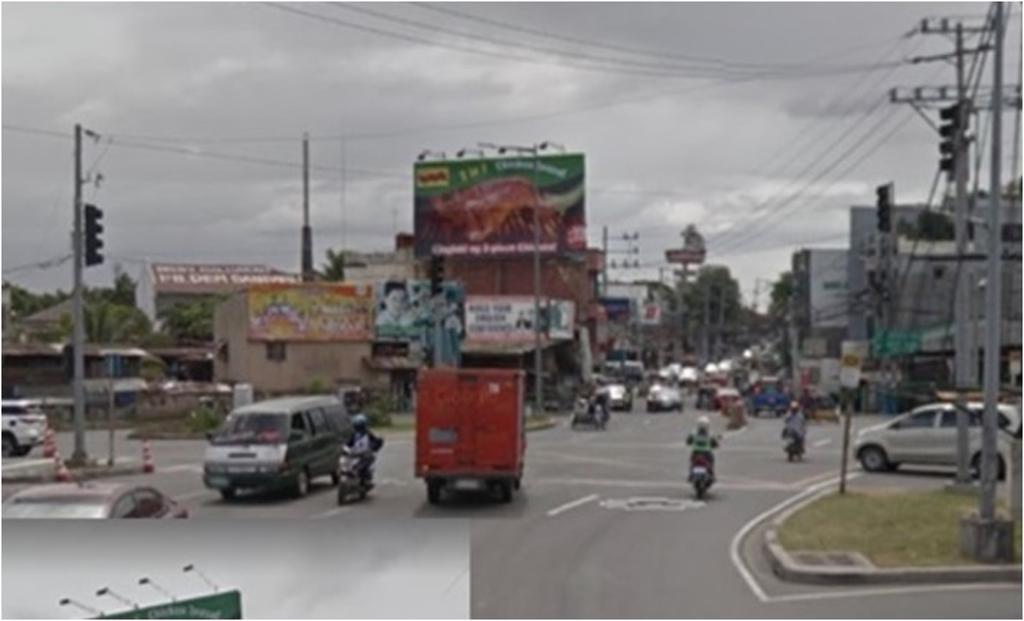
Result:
510,318
617,309
310,312
650,314
685,255
226,605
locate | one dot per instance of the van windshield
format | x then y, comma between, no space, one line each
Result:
253,428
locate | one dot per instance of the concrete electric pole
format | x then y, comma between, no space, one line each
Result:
79,455
307,232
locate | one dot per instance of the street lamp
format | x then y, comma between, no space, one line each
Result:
190,568
67,601
533,151
112,593
462,152
425,153
146,581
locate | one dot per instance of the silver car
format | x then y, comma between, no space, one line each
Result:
927,436
24,426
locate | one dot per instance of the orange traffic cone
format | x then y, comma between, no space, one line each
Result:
62,473
49,443
147,458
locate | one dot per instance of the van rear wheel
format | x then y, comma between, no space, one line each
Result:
301,483
505,491
228,493
434,491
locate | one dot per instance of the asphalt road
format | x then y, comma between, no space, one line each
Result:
605,525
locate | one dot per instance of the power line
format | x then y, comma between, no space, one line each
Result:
443,9
39,265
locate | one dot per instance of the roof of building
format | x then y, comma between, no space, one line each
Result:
50,314
196,278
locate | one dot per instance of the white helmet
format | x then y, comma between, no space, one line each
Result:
703,423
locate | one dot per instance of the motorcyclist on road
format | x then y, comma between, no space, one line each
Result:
703,443
795,423
364,444
598,407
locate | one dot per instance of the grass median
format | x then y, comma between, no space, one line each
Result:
891,528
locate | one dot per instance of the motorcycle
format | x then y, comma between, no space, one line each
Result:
794,446
701,476
582,415
355,474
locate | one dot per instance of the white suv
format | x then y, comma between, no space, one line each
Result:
927,435
24,426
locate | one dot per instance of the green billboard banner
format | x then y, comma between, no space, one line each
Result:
485,207
227,605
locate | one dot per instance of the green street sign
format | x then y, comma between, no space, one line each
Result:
888,343
227,605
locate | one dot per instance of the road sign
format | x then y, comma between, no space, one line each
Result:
685,255
650,314
227,605
853,355
888,343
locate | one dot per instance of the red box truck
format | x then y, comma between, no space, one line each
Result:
470,432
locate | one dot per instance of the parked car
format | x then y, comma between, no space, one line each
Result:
927,435
91,500
771,401
24,425
279,443
663,398
620,397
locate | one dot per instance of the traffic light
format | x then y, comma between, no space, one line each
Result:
93,228
952,125
436,274
884,205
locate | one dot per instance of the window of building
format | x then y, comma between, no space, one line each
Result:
276,352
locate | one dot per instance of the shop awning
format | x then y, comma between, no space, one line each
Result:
391,363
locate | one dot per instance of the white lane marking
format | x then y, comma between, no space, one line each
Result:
572,505
651,504
734,546
671,484
26,464
183,468
823,442
735,432
330,512
821,476
977,586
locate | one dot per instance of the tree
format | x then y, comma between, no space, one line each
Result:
782,291
25,303
191,321
106,322
714,290
334,268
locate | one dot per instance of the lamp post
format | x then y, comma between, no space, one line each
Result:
67,601
112,593
146,581
190,568
533,151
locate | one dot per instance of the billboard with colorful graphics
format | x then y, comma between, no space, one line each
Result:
310,312
485,207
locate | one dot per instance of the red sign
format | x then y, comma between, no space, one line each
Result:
685,255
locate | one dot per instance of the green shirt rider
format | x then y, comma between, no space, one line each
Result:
703,442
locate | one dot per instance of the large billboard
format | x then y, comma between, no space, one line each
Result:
485,207
226,605
310,312
510,318
828,291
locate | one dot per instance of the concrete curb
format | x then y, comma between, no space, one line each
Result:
79,474
787,568
541,426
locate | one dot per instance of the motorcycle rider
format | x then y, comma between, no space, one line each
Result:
599,408
795,423
703,443
364,444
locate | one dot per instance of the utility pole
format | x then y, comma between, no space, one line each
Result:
538,358
79,455
993,291
604,269
705,346
307,232
963,351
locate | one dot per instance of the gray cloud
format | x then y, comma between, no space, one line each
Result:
678,151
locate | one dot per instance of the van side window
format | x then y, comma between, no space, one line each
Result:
316,418
299,423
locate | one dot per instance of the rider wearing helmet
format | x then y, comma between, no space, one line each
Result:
363,441
795,422
703,442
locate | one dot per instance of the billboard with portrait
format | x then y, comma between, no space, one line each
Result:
403,309
510,318
484,207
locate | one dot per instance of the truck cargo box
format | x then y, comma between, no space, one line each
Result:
470,430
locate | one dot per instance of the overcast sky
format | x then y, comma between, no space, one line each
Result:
757,122
285,569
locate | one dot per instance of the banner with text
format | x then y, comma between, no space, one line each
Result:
310,312
510,318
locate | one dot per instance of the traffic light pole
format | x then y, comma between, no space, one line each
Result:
538,360
79,455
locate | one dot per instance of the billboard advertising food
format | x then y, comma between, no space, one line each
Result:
310,312
510,318
485,207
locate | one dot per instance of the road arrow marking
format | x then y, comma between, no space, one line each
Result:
823,442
